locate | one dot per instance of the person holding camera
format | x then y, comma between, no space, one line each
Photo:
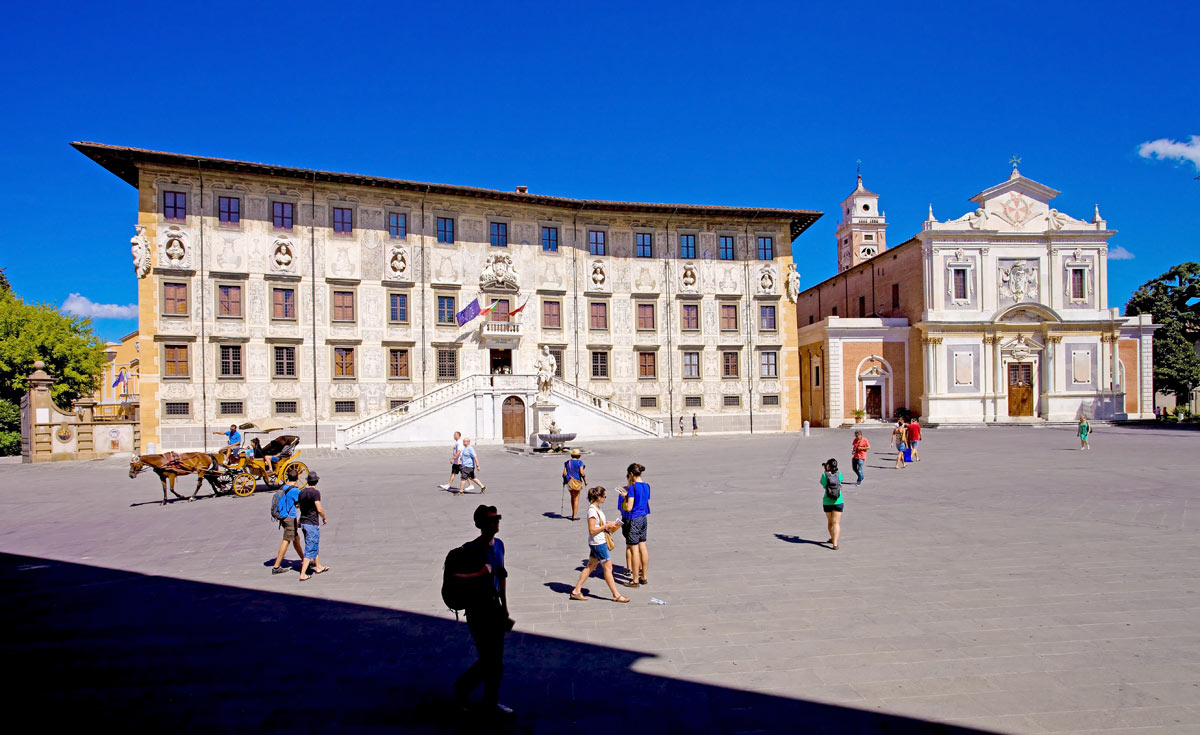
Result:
599,546
487,615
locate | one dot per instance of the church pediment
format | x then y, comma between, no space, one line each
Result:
1017,205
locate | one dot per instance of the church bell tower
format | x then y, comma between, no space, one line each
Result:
861,233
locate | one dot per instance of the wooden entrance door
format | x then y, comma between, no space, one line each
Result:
1020,389
514,420
874,405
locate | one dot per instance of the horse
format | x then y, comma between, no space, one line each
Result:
172,465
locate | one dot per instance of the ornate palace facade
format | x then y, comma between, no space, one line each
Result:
330,301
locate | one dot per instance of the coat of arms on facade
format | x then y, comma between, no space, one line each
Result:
283,256
1018,282
397,265
139,247
174,251
766,280
499,273
792,283
599,276
689,281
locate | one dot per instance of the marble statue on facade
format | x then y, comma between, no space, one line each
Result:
140,249
546,366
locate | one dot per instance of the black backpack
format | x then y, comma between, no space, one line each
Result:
459,593
833,489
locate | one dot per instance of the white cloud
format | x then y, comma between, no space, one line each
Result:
1172,150
1120,253
83,306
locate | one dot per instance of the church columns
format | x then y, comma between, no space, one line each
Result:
1052,355
991,356
997,378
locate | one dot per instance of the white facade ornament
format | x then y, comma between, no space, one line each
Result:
792,283
173,249
1018,282
958,254
690,280
283,255
546,366
766,280
599,276
978,220
1056,219
499,273
397,264
140,249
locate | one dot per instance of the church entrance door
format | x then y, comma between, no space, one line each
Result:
1020,389
514,420
874,407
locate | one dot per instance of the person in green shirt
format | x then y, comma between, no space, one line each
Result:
832,500
1084,428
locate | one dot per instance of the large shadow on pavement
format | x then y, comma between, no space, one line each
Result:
100,648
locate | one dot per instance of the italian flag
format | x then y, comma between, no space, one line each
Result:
490,308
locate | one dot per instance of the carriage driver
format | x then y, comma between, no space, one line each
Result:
235,441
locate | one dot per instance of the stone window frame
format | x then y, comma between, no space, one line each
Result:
350,206
275,374
682,321
607,316
639,233
683,366
282,199
758,247
762,364
277,411
353,402
387,222
737,321
219,284
176,189
437,308
187,353
336,288
652,363
603,230
220,361
637,316
737,364
187,296
773,403
698,401
333,362
241,407
731,400
647,401
218,195
1070,267
439,352
559,302
408,365
295,304
732,236
407,294
594,364
499,222
774,318
967,267
166,414
452,218
558,237
695,235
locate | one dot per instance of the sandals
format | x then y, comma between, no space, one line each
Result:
322,570
632,584
580,598
620,599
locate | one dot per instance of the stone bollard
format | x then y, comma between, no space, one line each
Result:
806,428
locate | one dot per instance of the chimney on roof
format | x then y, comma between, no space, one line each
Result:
522,189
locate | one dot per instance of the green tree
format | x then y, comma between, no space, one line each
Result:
1173,300
74,357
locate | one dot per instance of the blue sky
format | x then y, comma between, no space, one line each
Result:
762,104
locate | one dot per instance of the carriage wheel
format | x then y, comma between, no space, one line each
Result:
243,485
302,477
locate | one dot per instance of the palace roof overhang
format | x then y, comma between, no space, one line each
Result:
124,162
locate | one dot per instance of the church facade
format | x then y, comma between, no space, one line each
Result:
1000,315
341,303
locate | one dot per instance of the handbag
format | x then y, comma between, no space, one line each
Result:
608,539
575,485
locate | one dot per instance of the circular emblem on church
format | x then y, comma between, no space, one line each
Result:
1016,208
65,433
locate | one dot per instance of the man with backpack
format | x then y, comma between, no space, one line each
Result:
285,509
475,578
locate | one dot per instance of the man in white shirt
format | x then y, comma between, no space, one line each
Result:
455,460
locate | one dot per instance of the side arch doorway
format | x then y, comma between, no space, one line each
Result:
514,420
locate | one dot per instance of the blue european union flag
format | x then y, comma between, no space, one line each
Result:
469,312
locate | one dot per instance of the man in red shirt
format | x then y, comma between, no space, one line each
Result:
914,437
858,456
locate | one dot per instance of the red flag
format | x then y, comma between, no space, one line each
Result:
522,306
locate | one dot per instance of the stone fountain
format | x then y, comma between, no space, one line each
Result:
556,438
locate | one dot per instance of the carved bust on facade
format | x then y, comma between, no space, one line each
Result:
397,265
599,276
140,249
766,280
499,273
689,281
174,251
283,257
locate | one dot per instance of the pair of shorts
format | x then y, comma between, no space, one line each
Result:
599,552
913,444
635,530
289,529
839,508
901,447
312,540
455,469
467,473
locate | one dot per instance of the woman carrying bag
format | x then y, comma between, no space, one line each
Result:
575,478
600,545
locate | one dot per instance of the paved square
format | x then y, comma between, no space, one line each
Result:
1008,582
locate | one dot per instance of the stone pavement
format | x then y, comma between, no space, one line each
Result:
1008,583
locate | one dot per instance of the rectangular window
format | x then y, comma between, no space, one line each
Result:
598,315
175,299
398,364
398,308
731,401
343,306
559,362
691,364
175,361
770,400
766,317
644,244
397,225
285,362
648,402
446,310
959,278
689,317
1078,284
499,234
816,376
645,316
343,220
177,408
551,314
766,248
445,230
229,210
229,301
862,306
343,362
597,242
869,237
397,403
599,365
687,246
729,364
229,408
549,239
833,311
345,406
500,313
285,407
174,205
283,303
693,401
895,295
725,251
647,367
447,365
231,361
768,362
281,215
729,317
